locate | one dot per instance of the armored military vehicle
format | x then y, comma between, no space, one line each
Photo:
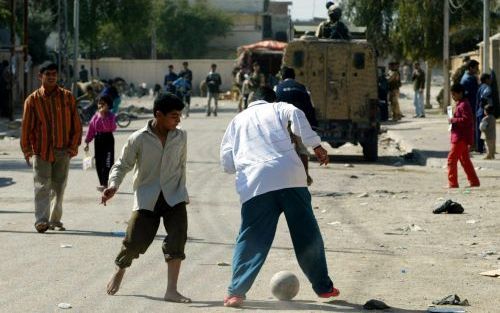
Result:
342,78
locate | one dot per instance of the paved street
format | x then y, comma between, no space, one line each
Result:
382,240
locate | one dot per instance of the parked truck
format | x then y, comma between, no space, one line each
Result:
342,78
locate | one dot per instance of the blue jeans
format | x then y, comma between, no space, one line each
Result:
259,217
418,102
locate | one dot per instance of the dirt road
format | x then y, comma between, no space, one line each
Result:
365,211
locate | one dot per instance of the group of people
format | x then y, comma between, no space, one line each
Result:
472,122
272,181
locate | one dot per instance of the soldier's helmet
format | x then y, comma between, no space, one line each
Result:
329,4
335,12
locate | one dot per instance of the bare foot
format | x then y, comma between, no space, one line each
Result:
116,280
174,296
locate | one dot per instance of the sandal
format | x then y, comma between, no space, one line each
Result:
59,226
330,294
41,227
233,301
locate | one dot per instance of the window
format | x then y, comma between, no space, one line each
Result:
359,60
298,59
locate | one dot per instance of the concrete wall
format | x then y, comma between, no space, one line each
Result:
153,71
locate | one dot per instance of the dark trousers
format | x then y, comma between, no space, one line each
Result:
104,146
142,228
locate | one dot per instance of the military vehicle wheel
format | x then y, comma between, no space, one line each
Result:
370,146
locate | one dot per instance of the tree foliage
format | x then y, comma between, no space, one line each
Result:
413,29
184,30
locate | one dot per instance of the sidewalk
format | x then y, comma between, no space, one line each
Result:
428,138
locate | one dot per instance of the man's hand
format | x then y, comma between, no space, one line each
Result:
322,155
107,194
27,159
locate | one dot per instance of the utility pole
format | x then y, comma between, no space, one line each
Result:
446,56
25,50
76,39
12,65
486,36
59,38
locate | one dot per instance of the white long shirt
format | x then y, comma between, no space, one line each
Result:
257,147
156,167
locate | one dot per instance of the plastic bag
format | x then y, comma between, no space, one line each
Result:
87,162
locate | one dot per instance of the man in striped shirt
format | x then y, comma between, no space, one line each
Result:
51,134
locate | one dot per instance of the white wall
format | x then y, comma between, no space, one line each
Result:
153,71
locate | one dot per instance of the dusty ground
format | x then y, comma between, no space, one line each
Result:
364,211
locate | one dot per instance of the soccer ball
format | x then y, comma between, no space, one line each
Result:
284,285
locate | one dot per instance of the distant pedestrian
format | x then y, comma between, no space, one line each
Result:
459,72
83,74
271,180
51,133
157,154
101,128
394,83
462,137
214,82
293,92
6,91
169,79
187,74
484,97
488,128
418,79
470,82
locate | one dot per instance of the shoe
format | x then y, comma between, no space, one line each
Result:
333,293
41,227
215,113
416,116
422,116
233,301
57,226
208,113
443,208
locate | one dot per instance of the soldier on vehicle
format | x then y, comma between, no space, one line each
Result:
333,28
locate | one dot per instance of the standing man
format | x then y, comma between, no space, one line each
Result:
290,91
393,83
484,97
51,134
213,81
83,75
470,82
418,79
270,179
187,74
169,79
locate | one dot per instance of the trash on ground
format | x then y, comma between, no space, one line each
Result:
353,176
223,264
410,228
450,207
375,305
348,165
493,273
470,222
487,253
363,195
316,207
323,211
451,299
63,245
434,309
63,305
334,223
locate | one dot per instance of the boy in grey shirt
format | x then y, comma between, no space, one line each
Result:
157,153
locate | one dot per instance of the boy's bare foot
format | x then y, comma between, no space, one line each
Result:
175,296
116,280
